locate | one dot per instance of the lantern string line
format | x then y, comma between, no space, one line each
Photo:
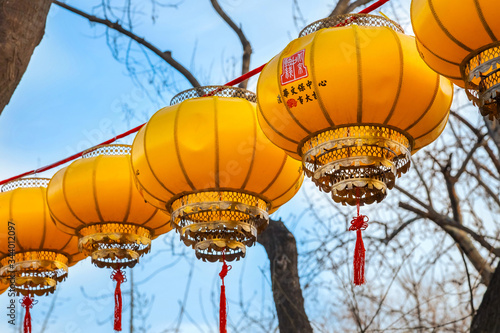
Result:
223,302
359,223
118,275
28,303
239,79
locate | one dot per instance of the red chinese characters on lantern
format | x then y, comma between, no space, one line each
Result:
293,68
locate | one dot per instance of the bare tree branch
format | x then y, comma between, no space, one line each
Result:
494,157
165,55
471,152
247,48
457,232
345,6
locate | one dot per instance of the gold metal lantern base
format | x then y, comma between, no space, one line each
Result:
481,74
219,222
356,162
114,245
35,272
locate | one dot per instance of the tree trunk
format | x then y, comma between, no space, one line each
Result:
281,249
22,25
487,318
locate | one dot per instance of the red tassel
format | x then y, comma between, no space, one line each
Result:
360,222
223,302
119,276
28,303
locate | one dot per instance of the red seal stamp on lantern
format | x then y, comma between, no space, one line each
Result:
293,68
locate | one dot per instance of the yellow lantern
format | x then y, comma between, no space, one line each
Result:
95,198
207,162
35,255
34,250
460,40
352,102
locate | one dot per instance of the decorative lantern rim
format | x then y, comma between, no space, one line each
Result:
300,146
356,163
114,244
218,221
366,20
111,149
31,182
483,66
36,272
219,91
170,203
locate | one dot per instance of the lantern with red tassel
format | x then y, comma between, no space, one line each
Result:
95,199
205,160
353,100
35,255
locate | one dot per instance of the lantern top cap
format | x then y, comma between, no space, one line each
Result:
220,91
107,150
364,20
25,183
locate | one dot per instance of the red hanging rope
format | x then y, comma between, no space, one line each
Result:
358,223
119,276
136,129
27,302
223,301
373,6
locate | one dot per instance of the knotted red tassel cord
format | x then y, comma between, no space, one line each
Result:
360,222
223,302
119,276
28,303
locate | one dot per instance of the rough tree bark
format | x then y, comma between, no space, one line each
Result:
487,318
281,250
22,25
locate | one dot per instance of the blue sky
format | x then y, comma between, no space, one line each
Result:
70,99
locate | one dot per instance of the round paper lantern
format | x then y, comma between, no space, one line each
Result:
460,40
34,251
207,162
353,100
95,199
